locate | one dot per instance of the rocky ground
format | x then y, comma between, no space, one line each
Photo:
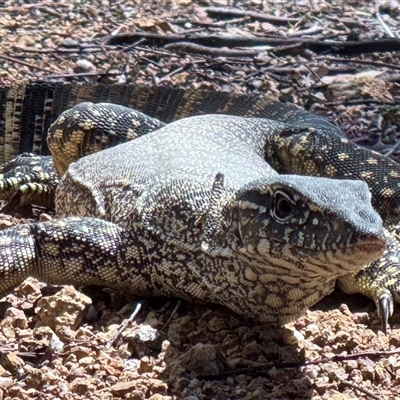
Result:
339,59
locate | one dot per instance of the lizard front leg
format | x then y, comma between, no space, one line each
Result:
78,251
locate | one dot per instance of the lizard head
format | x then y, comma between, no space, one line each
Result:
325,223
295,236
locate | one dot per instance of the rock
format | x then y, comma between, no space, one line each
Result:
12,362
64,311
16,317
204,359
143,338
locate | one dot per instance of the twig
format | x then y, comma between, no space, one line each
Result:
7,350
313,73
190,48
78,74
124,325
357,61
50,11
384,25
309,31
392,150
299,68
77,49
359,102
263,366
133,45
30,65
317,46
178,304
216,78
220,23
35,5
361,389
148,60
236,12
154,51
176,71
355,356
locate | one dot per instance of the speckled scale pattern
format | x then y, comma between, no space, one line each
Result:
29,110
86,129
194,210
28,179
79,130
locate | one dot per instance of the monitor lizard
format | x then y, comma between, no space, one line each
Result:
194,210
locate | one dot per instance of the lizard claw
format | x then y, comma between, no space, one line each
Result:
384,307
380,281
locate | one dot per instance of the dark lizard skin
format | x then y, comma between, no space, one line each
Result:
283,153
27,111
194,210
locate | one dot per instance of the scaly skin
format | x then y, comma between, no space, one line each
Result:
292,149
195,211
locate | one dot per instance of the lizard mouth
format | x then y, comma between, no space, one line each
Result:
370,243
358,255
352,257
373,251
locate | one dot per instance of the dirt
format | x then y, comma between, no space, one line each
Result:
58,343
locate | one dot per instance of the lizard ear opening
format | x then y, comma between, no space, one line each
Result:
214,240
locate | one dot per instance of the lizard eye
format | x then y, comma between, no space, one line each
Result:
283,206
